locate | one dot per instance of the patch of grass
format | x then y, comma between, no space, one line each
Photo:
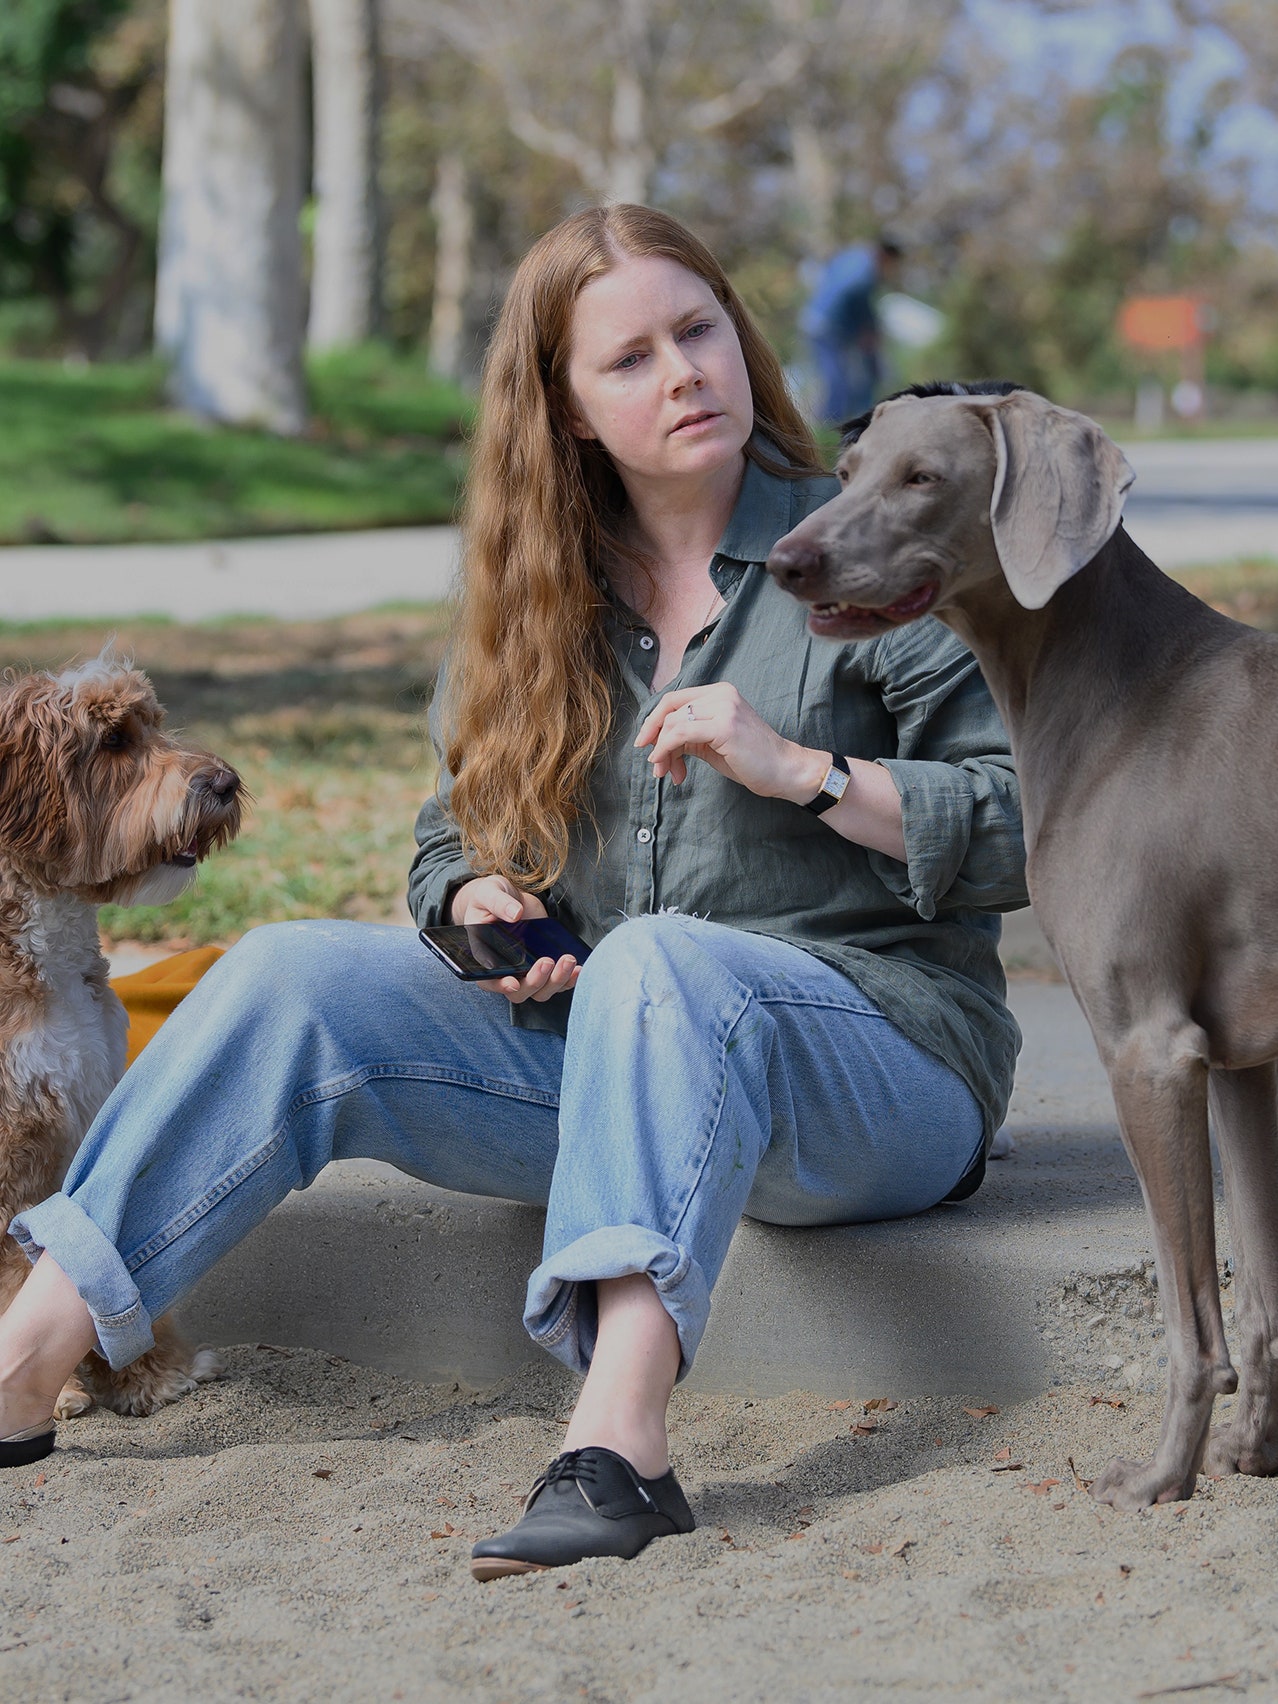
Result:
325,722
1246,590
96,455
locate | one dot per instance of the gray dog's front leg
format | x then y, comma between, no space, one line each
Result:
1245,1107
1159,1080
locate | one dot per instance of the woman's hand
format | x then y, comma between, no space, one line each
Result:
716,724
493,899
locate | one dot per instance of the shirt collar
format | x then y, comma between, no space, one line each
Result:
760,516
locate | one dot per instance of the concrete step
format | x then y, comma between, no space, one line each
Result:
389,1272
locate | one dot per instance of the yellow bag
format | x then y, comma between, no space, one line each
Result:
149,995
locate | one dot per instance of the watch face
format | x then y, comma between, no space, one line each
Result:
835,783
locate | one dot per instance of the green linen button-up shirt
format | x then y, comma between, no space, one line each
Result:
920,937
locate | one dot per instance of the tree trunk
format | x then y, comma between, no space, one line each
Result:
229,283
814,187
454,227
346,270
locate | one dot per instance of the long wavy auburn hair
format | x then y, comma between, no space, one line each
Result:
528,701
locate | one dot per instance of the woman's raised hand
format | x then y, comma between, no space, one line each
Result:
494,899
716,724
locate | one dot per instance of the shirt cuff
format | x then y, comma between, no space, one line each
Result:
936,820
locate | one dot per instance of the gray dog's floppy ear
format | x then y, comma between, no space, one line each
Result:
1059,487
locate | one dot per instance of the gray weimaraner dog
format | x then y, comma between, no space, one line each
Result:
1145,728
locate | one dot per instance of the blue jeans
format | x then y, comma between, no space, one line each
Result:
706,1073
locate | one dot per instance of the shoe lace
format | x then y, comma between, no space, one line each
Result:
579,1467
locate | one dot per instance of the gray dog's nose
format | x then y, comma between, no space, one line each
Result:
797,566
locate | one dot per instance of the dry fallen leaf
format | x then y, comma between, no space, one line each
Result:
884,1403
322,1473
42,1479
725,1537
838,1407
1005,1454
1106,1401
806,1512
872,1549
790,1536
851,1574
447,1502
903,1546
1043,1486
1080,1483
865,1428
448,1531
981,1413
429,1597
13,1540
1007,1467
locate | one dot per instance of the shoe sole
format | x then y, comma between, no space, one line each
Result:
497,1567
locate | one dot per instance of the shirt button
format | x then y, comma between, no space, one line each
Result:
644,836
647,642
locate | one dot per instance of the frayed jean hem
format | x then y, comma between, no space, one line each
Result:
92,1262
557,1319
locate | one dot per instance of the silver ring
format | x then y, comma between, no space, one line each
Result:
690,713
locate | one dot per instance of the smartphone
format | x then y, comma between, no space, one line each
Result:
478,951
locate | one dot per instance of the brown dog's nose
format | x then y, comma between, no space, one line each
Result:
222,781
796,566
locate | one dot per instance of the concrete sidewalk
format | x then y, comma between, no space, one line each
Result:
392,1273
1208,501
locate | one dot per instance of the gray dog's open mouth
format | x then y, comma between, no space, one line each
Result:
838,620
186,857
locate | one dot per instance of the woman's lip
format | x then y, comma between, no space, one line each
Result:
693,420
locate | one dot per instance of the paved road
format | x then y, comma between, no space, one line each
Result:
1192,503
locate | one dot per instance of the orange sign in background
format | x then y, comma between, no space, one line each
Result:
1161,323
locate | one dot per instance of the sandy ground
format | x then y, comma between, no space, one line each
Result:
300,1531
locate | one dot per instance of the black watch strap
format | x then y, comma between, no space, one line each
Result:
833,787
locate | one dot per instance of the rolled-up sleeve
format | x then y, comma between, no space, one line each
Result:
960,800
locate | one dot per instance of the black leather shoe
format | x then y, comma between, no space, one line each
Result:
587,1503
22,1448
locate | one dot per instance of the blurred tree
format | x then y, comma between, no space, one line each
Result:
347,255
229,287
78,106
641,71
1056,203
1253,25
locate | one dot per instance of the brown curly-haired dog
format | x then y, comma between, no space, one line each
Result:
97,803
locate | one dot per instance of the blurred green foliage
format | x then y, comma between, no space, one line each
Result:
93,454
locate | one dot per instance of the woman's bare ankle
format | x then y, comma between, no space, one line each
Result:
647,1453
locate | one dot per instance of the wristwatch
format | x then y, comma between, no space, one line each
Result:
833,787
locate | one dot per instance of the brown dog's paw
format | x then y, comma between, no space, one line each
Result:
72,1400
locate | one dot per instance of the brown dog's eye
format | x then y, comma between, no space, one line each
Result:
115,740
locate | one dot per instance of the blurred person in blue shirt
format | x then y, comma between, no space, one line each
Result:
840,324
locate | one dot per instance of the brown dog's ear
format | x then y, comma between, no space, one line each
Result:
1059,486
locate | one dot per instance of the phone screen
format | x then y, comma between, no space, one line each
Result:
477,951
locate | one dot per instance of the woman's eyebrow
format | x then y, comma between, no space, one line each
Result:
685,316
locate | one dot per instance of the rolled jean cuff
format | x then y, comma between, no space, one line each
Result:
93,1264
556,1319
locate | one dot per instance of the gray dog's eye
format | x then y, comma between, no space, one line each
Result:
920,476
115,740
